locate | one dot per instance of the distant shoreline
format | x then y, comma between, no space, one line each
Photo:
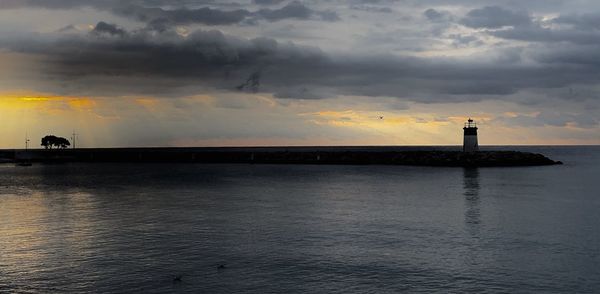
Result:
348,155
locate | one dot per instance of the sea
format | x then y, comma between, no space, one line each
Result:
243,228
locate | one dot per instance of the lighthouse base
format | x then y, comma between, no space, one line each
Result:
470,143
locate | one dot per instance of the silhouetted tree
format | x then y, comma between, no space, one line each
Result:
51,141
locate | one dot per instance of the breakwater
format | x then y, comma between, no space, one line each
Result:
285,155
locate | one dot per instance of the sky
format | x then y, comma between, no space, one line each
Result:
281,72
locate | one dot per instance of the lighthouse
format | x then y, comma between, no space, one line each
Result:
470,139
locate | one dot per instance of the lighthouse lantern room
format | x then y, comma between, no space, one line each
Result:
470,138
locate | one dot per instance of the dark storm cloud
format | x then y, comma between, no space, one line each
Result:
580,29
586,57
53,4
105,28
371,8
495,17
437,16
267,2
204,15
588,21
66,4
296,10
506,24
540,34
147,61
153,11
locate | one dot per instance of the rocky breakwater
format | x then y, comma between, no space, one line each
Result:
293,155
423,158
474,159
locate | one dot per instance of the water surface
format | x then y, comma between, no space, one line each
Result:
114,228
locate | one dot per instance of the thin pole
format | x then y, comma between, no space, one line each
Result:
73,138
26,141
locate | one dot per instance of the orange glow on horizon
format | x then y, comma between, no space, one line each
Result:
259,120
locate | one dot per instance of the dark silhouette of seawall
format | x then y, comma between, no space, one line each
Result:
381,155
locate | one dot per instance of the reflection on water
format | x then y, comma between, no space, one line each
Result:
471,193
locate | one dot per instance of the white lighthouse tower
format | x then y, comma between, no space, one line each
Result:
470,139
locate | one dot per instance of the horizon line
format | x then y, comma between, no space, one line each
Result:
305,146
